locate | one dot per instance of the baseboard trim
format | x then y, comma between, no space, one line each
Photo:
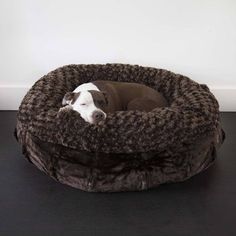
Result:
11,97
226,98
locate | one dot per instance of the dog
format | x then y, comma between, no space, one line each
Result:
95,99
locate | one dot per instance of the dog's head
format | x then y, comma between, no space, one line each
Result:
91,104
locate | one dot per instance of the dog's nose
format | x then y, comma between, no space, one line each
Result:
98,116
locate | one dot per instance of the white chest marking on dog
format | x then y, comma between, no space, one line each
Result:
85,87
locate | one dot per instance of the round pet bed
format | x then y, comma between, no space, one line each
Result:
131,150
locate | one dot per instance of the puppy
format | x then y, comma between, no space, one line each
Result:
95,99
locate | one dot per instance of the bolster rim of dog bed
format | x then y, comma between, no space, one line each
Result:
131,150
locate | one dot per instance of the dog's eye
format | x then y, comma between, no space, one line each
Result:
82,104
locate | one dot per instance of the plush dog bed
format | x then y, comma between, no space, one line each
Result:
132,150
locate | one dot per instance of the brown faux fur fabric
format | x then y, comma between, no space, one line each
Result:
131,150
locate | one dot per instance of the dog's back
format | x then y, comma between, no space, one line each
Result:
122,94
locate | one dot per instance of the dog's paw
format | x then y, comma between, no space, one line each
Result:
65,108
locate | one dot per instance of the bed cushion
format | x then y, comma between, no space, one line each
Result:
131,150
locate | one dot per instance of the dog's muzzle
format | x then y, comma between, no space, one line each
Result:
98,116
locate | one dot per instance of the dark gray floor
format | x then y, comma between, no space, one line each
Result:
31,203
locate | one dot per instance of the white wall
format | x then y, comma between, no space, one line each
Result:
196,38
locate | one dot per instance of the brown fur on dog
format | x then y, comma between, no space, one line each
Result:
124,96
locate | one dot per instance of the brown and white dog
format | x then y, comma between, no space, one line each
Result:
95,99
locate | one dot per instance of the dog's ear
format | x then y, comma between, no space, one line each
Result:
67,98
105,96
